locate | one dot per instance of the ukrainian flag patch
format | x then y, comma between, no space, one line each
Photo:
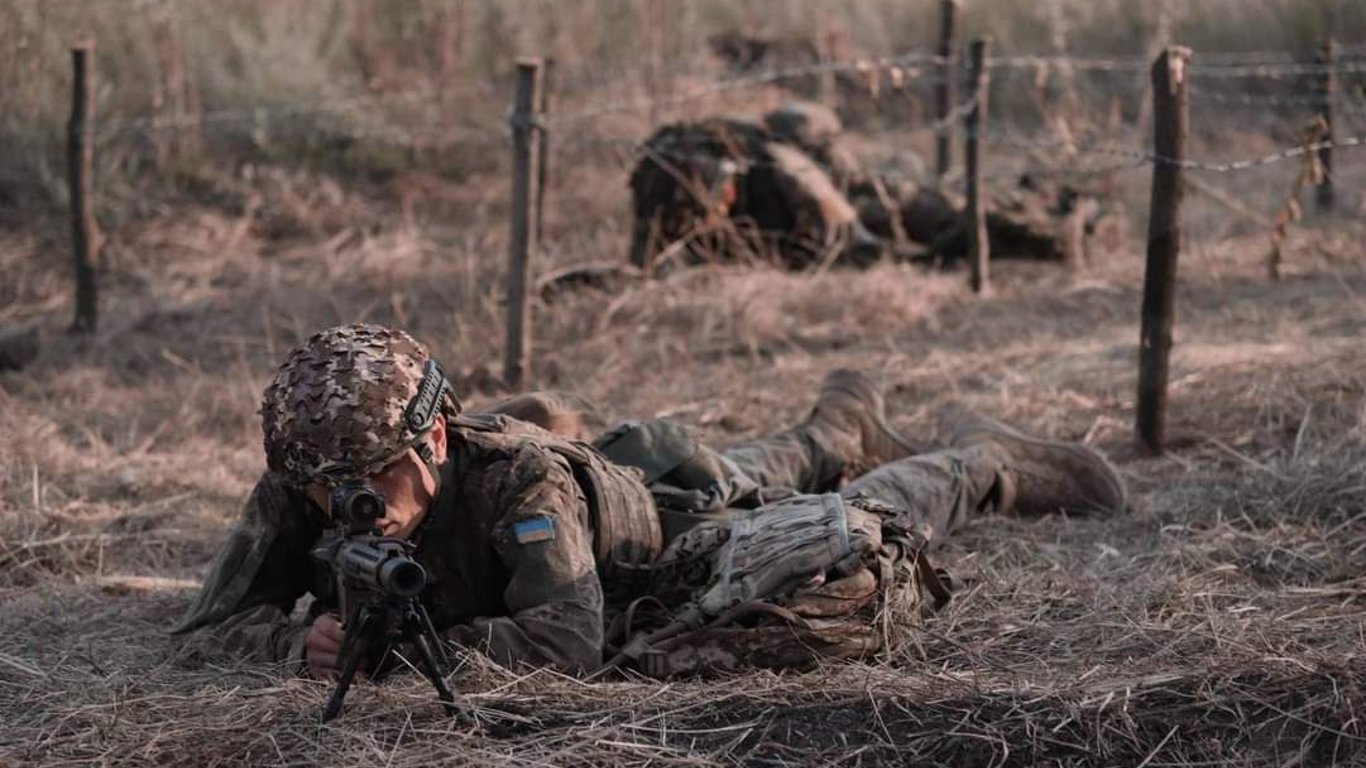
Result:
534,529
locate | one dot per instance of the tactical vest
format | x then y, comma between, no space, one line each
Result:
627,536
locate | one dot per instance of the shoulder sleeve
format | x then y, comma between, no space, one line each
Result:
259,573
553,595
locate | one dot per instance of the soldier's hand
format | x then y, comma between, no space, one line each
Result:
323,646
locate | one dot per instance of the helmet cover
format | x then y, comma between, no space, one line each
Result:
336,409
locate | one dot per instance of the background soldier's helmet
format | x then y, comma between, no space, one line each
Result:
335,411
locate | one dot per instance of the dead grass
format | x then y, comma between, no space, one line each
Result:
1219,623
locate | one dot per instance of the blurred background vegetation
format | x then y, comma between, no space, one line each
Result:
369,87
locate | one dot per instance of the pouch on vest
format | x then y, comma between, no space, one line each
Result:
793,582
626,531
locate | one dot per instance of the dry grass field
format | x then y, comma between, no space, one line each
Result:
1222,621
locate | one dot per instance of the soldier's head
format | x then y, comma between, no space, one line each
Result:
360,404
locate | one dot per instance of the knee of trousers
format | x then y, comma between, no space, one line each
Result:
933,483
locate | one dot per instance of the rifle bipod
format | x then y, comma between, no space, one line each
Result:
373,629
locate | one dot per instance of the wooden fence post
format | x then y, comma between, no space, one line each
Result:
1170,124
979,250
943,92
543,148
1328,88
81,164
524,136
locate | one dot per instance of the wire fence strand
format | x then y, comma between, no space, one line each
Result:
1351,104
912,67
903,62
370,116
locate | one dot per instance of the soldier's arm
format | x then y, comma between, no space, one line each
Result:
259,573
553,597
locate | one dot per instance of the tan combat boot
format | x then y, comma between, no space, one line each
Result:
849,418
1041,476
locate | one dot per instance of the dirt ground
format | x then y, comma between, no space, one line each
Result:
1219,622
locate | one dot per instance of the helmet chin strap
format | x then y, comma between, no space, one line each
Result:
428,458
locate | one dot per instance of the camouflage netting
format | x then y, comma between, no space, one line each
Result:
335,410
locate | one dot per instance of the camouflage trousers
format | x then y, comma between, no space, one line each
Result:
939,490
774,557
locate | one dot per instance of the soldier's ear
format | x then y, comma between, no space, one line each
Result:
438,438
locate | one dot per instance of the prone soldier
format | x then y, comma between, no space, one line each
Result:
787,190
542,549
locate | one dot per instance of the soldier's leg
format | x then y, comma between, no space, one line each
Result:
939,490
845,434
993,466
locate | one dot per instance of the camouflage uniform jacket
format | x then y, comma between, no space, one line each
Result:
537,601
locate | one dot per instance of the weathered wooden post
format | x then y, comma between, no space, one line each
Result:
1170,124
524,131
81,173
979,250
543,148
943,91
1328,89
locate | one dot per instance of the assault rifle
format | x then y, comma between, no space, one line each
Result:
379,586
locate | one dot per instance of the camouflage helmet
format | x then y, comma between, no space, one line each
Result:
348,402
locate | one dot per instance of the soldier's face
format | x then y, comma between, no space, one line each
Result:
406,485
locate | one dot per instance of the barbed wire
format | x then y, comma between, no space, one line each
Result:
1340,103
902,70
955,116
358,105
1274,56
1250,57
887,74
1198,65
627,154
925,68
1196,165
909,67
1124,158
1073,171
1277,71
951,118
1094,65
1275,157
417,137
1230,64
905,63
